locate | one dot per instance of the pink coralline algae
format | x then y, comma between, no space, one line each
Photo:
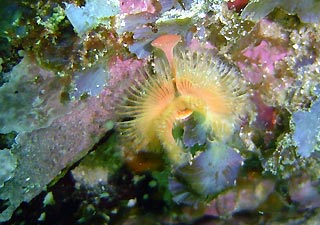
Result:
122,73
121,69
195,45
133,7
260,61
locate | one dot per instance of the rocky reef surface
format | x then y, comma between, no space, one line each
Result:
233,116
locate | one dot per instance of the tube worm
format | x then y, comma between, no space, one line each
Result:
192,83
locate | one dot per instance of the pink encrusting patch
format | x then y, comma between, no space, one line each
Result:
260,61
123,73
121,69
134,6
196,45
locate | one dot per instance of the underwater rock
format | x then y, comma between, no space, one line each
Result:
304,63
43,153
95,12
307,10
307,130
244,197
99,77
211,172
305,192
97,167
31,98
91,81
8,164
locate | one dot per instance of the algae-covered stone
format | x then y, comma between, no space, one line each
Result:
95,12
307,130
307,10
30,99
8,164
